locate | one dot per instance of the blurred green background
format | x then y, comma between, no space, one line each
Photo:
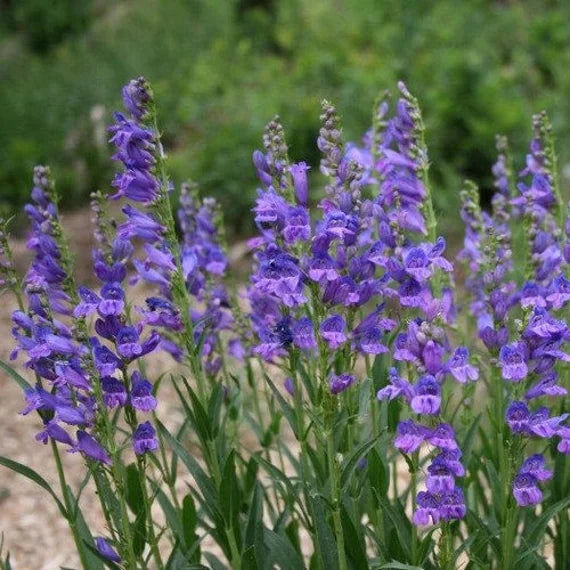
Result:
222,68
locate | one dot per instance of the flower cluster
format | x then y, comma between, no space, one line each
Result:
205,263
51,346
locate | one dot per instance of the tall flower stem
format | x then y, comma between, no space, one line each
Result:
68,506
335,493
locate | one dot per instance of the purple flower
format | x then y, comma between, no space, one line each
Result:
297,225
546,386
443,437
517,417
535,465
141,394
428,507
397,387
458,365
541,424
140,225
55,432
300,182
106,361
88,304
416,264
114,392
559,292
106,550
426,397
564,443
333,331
128,345
144,439
513,359
440,477
289,386
113,300
136,185
453,505
88,445
339,383
136,97
452,459
433,356
409,436
304,335
526,490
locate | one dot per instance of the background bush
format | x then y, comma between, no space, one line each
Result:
222,69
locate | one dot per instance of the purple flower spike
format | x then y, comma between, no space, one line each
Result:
144,439
339,383
443,437
513,362
409,436
517,417
429,507
427,396
526,490
536,465
88,445
106,550
141,394
333,331
459,367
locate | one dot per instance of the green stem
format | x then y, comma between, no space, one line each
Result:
414,492
336,498
68,506
446,548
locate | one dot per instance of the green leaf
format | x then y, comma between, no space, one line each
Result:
399,566
24,384
93,562
467,445
378,473
400,522
349,464
536,531
287,409
215,407
189,523
35,477
326,542
230,495
204,482
354,546
134,493
280,550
